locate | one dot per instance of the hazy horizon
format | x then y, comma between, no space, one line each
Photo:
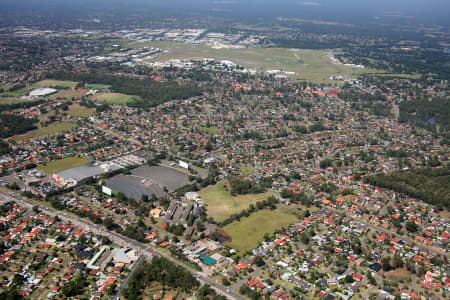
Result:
432,10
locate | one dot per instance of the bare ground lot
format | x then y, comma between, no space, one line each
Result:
163,176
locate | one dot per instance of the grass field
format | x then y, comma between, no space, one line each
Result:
43,131
310,65
63,164
247,171
209,130
10,100
248,232
75,110
116,98
53,83
98,86
220,203
70,96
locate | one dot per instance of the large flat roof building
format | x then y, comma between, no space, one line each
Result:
75,176
42,92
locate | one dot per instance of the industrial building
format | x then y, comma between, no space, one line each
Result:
77,175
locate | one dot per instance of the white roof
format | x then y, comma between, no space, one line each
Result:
42,92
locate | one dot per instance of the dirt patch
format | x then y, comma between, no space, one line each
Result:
398,274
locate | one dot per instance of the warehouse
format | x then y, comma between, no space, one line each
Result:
78,175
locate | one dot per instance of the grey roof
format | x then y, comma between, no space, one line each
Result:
121,254
87,171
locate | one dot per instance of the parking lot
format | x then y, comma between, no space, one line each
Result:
163,176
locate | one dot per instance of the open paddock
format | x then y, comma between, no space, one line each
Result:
221,204
76,110
249,231
308,64
44,131
116,98
60,165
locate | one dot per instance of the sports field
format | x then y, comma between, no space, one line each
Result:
116,98
63,164
98,86
55,83
310,65
249,231
71,95
43,131
221,204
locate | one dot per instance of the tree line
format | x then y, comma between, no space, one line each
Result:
160,270
11,125
426,114
427,184
270,202
152,93
240,186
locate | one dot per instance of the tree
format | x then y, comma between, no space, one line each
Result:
11,294
17,280
397,261
386,263
200,226
258,261
225,281
412,226
349,279
371,279
244,290
190,220
109,223
325,163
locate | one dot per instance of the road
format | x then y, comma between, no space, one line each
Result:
145,250
125,282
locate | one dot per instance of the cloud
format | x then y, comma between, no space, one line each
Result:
310,3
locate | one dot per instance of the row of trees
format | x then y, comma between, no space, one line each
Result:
296,197
240,186
23,104
152,93
4,147
270,202
12,124
309,129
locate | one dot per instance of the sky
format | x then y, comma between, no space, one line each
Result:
326,9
